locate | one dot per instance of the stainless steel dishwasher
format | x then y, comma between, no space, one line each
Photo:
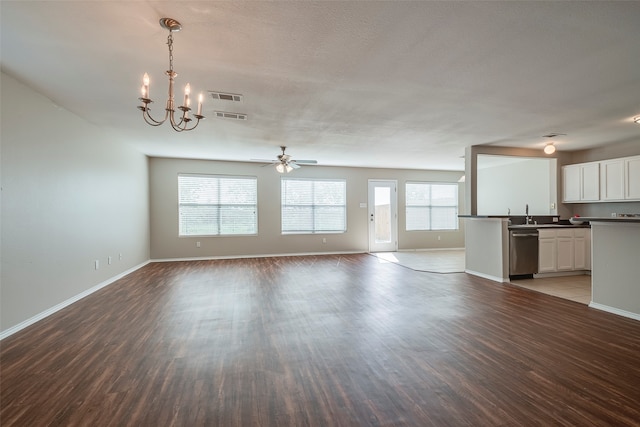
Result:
523,253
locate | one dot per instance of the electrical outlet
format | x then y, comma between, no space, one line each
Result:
324,240
109,260
439,238
120,257
97,264
553,205
197,244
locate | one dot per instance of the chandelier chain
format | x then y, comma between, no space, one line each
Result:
170,43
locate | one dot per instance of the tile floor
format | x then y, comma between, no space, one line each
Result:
574,288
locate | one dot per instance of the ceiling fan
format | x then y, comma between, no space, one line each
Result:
285,164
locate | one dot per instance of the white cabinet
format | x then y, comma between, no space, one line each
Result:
590,175
632,178
546,251
580,249
571,183
563,249
612,179
616,180
581,182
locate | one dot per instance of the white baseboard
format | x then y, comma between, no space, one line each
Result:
562,274
48,312
209,258
614,310
487,276
430,249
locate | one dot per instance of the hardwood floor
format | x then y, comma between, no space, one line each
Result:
320,341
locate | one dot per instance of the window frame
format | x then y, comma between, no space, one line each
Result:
220,206
313,206
430,206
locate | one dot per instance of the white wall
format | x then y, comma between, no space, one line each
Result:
515,183
165,243
71,194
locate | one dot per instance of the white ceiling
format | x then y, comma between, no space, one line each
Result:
353,83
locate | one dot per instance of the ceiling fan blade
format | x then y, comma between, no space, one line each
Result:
293,165
307,162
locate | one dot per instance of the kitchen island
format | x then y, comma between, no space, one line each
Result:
615,265
487,243
487,246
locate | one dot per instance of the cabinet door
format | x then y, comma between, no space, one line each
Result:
546,255
579,253
571,183
590,188
564,247
612,180
632,166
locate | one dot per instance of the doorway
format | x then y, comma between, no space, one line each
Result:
383,216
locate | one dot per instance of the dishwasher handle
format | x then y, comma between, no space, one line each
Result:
525,235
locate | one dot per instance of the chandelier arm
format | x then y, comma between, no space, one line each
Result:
150,120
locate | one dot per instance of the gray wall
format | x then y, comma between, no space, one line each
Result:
165,243
71,194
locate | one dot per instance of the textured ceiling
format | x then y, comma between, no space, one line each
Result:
382,84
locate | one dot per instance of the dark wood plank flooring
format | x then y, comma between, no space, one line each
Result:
320,341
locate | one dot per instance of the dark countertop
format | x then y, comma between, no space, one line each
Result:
485,216
537,226
617,219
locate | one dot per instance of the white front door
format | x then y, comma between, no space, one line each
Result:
383,216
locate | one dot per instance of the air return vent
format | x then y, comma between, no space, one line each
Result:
221,96
232,116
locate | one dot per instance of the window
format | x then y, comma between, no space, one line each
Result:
313,206
431,206
216,205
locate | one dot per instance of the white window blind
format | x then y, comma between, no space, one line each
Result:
431,206
217,205
313,206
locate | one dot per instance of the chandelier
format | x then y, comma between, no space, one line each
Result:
181,124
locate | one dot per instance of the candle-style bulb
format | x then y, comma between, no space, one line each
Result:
187,91
145,85
200,99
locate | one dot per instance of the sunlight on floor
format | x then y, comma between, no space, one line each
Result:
386,257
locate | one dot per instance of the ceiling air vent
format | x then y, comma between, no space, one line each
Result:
221,96
232,116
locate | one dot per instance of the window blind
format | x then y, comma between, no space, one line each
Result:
431,206
313,206
211,205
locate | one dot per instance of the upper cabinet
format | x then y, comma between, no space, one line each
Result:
612,180
632,178
581,182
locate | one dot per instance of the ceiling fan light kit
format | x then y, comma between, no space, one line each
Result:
181,124
284,162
